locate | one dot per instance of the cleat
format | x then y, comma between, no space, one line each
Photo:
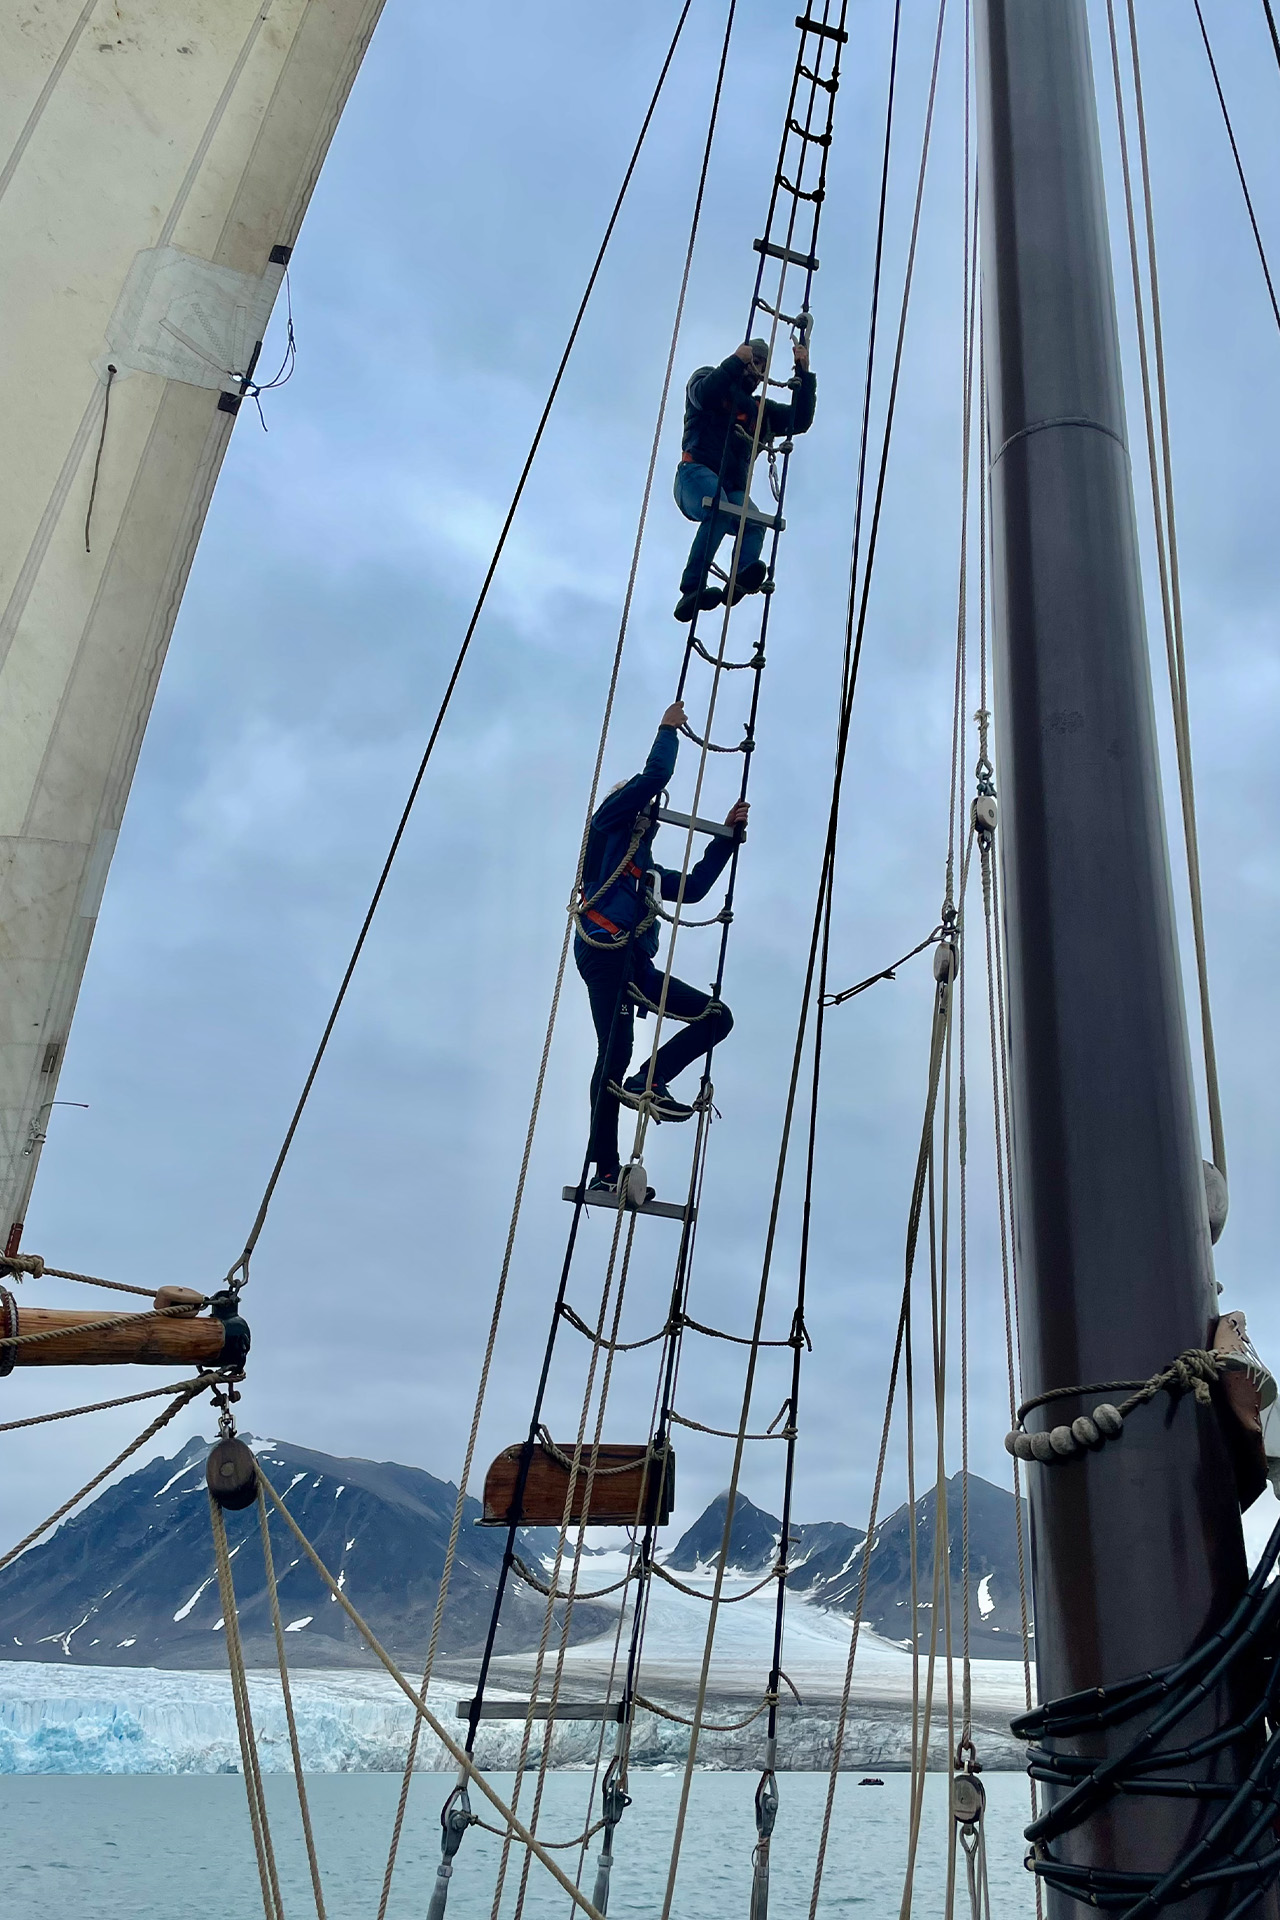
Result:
659,1101
697,600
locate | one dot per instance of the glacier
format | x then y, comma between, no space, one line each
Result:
146,1720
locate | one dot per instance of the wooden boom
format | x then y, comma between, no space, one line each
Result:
152,1339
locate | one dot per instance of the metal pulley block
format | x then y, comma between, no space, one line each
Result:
946,961
968,1799
985,813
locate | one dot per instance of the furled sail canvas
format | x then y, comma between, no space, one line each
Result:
156,159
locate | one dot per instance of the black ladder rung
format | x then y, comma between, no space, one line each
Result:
807,25
752,515
671,818
809,261
541,1710
831,83
658,1209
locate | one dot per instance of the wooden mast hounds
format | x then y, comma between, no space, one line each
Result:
630,1486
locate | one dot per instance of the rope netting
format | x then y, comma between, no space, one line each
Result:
936,1299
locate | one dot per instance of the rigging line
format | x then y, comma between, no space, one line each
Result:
886,973
241,1266
1235,154
1271,22
1172,599
124,1400
277,1627
180,1399
416,1700
899,1364
575,1571
97,458
535,1111
272,1905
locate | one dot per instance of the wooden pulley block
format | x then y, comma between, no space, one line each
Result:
631,1486
232,1475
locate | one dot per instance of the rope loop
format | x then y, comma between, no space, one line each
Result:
1196,1371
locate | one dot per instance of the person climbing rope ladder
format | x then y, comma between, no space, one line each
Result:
719,428
616,938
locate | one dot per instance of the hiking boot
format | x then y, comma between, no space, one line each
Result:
697,600
659,1100
636,1191
750,580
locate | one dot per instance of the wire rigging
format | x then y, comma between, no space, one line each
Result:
239,1272
1235,151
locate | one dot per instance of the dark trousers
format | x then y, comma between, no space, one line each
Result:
607,975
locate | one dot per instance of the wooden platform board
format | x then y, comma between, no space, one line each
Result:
642,1495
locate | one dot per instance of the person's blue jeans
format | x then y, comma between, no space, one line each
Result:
694,485
606,974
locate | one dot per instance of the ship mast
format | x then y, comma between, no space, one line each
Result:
1137,1549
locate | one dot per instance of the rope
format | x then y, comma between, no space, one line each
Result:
726,1600
706,1726
240,1271
536,1106
732,1433
742,1339
1165,526
21,1264
1235,154
572,1464
277,1627
97,1326
124,1400
610,1346
97,458
272,1905
181,1398
1196,1371
553,1846
886,973
531,1579
463,1760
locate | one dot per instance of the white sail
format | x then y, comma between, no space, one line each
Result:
156,159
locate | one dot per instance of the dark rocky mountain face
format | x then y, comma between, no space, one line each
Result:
130,1581
826,1564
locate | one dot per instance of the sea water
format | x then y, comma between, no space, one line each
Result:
148,1847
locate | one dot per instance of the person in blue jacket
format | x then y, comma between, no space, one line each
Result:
617,936
720,410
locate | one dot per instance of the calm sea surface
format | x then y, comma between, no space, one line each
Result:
158,1847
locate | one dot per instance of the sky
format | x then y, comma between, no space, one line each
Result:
436,275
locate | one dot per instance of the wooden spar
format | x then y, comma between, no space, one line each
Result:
1137,1550
152,1339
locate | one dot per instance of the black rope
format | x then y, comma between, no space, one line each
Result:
527,1451
1271,22
886,973
1235,1850
97,459
1235,154
239,1273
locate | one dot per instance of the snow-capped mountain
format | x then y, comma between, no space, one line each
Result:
826,1563
130,1580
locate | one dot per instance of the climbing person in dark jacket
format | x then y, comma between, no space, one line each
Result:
720,410
615,941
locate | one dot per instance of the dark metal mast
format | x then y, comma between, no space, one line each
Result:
1137,1549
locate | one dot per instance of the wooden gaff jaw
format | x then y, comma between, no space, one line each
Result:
216,1339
